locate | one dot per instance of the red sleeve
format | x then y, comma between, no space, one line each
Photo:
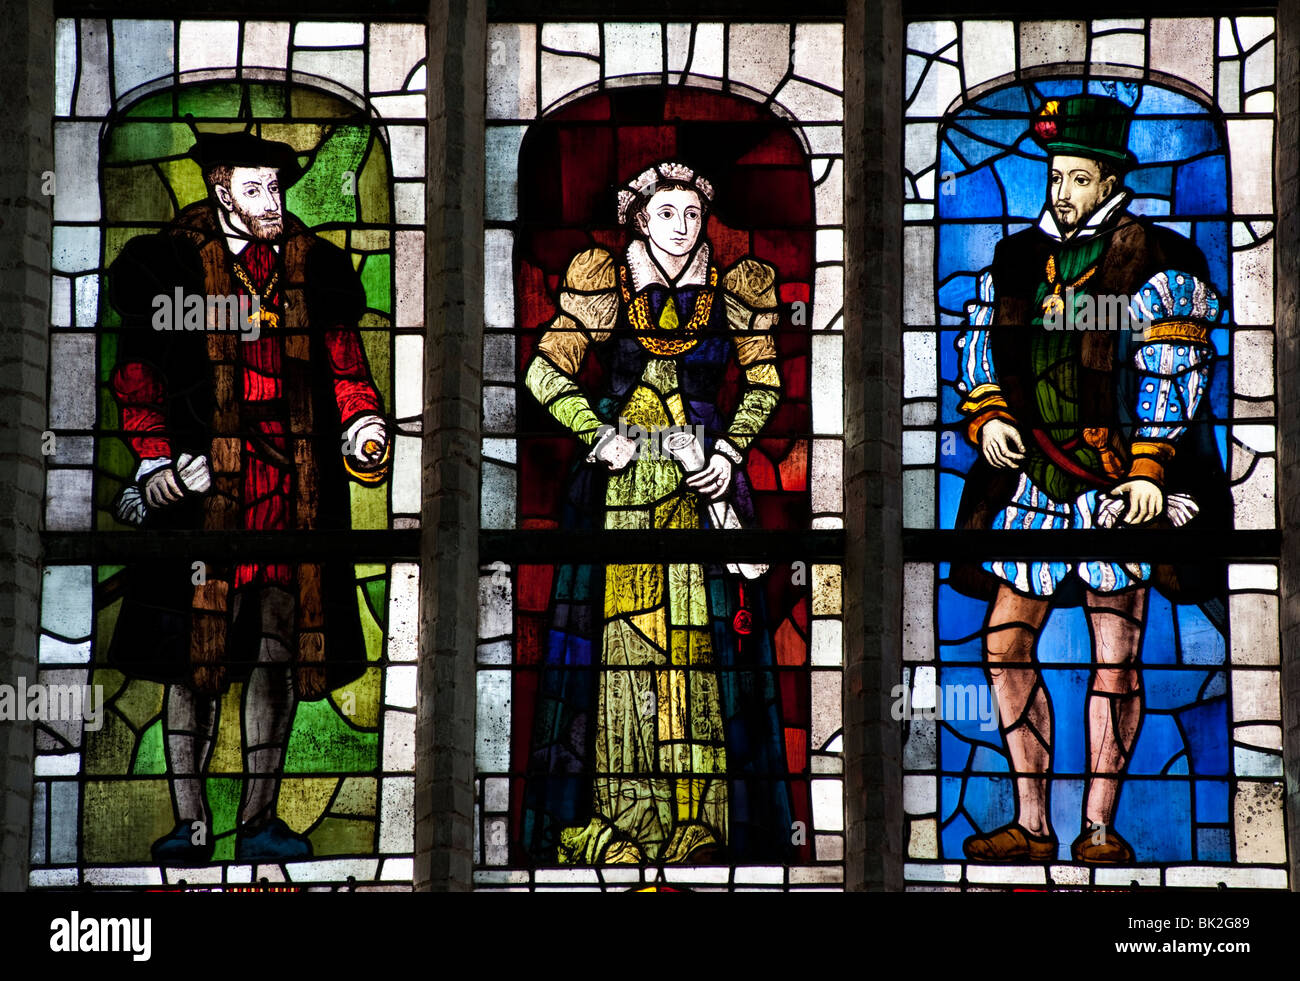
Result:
140,394
353,390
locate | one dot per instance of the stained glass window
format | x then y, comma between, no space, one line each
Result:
237,340
658,705
1089,350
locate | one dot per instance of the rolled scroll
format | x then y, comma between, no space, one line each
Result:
686,450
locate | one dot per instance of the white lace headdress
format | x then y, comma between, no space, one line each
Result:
643,185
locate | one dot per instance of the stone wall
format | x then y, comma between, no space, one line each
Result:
26,156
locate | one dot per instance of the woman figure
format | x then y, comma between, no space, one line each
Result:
635,721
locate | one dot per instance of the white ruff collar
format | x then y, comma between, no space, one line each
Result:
1049,226
646,271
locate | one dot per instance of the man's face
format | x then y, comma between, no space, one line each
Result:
253,203
1075,190
673,220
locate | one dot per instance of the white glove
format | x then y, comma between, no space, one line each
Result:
1179,508
161,484
368,439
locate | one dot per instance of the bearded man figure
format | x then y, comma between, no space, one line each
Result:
241,432
1077,416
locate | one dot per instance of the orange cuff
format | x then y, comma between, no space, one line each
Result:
1149,459
1160,450
1147,468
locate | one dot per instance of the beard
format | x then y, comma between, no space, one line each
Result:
1067,217
265,227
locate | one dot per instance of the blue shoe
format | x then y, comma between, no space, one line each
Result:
178,848
275,842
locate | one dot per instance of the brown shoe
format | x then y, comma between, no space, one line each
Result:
1111,850
1010,843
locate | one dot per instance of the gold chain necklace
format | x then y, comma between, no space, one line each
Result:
1053,304
267,318
658,340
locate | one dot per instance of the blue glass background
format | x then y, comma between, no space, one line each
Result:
1185,731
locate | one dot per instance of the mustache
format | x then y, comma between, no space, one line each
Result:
264,227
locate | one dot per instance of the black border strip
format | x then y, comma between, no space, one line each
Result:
680,545
122,547
1159,545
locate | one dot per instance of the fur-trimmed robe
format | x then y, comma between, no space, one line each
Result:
195,391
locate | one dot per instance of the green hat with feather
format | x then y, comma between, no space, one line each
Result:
1092,126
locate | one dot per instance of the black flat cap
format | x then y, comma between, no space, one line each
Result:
246,150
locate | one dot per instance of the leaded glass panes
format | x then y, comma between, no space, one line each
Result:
237,315
664,255
1088,348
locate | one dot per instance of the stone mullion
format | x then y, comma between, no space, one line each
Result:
26,152
873,371
444,767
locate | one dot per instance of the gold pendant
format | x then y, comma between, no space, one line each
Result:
266,318
668,319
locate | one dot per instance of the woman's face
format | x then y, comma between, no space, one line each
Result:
673,220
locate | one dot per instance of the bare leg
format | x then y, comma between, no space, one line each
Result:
270,700
191,721
1025,712
1114,696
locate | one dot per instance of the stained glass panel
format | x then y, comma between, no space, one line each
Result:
652,720
238,333
1088,349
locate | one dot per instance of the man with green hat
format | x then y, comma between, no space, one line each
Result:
1080,414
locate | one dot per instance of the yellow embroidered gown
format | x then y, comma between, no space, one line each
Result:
660,762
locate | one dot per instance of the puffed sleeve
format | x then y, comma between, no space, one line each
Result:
977,377
749,288
336,300
589,305
149,267
1173,364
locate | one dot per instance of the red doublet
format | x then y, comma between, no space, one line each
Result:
267,485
